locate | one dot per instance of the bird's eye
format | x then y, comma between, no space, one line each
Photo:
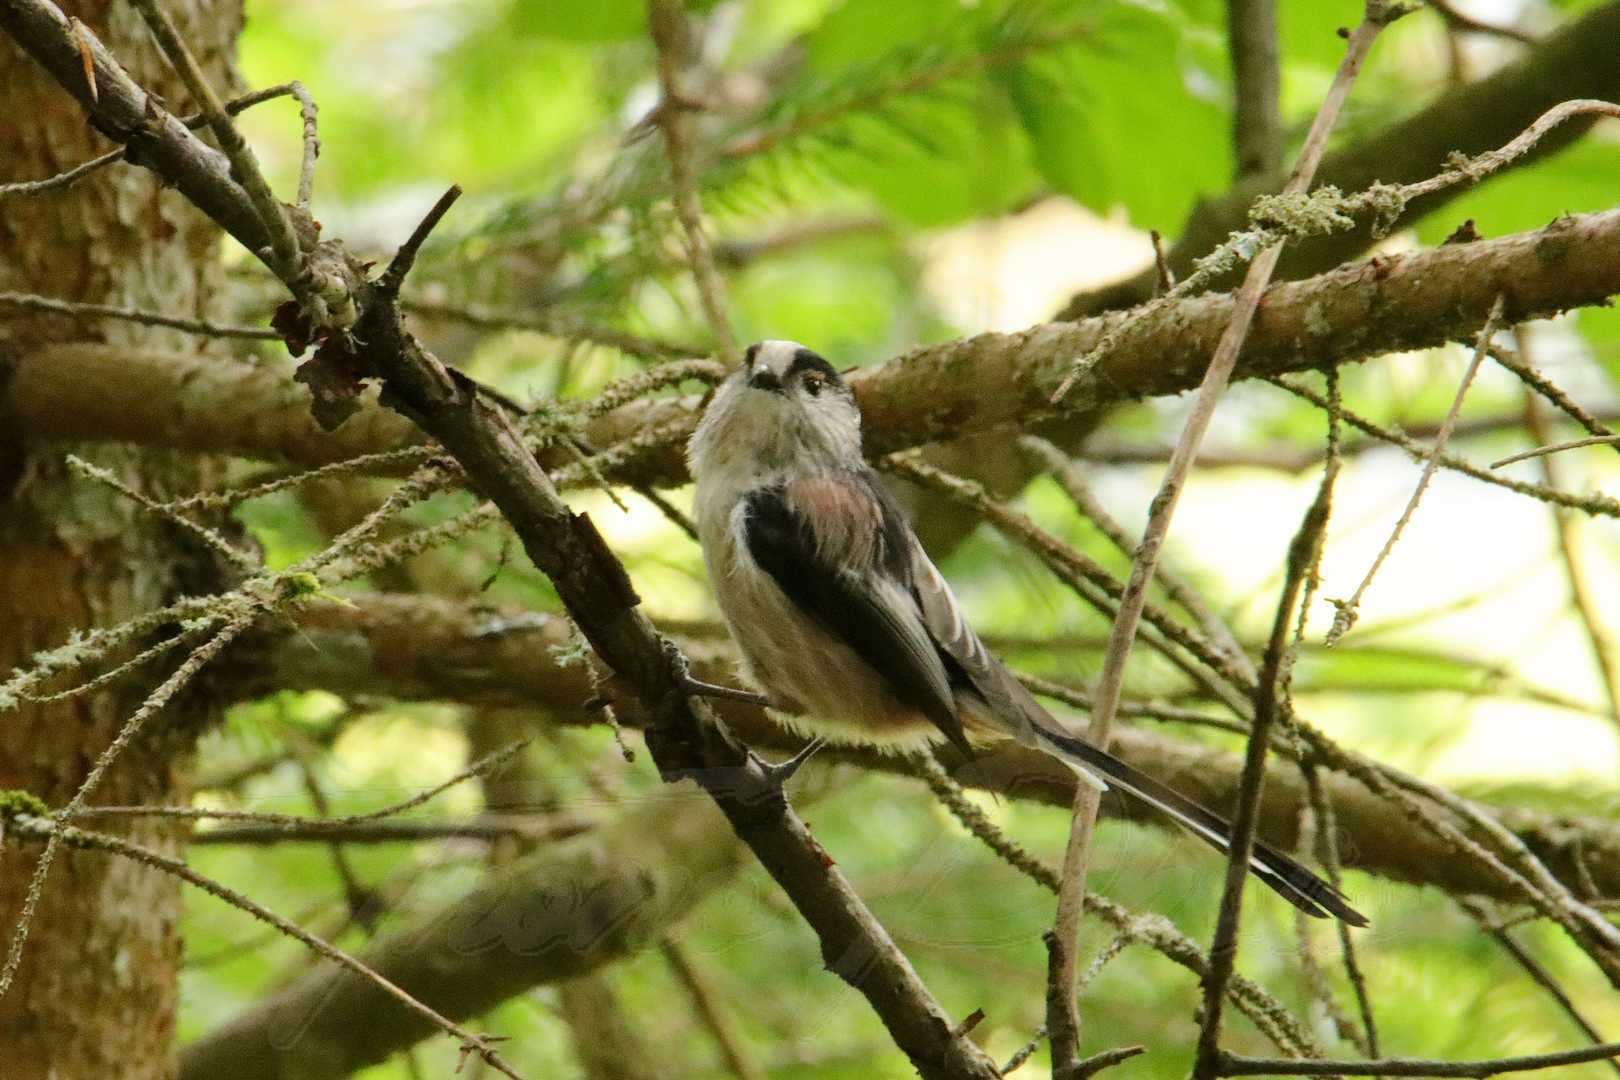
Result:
814,381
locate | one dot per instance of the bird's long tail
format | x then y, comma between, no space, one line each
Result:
1286,877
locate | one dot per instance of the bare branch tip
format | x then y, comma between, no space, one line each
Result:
388,285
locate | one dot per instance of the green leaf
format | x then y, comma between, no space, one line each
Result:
851,36
1128,115
582,20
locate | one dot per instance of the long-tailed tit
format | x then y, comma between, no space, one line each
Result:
842,618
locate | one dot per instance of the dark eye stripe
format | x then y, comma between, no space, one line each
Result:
805,360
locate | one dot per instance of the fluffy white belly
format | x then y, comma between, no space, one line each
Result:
823,687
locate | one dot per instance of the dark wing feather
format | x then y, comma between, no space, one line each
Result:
853,605
1009,703
925,646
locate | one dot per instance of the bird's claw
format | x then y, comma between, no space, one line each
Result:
699,688
779,773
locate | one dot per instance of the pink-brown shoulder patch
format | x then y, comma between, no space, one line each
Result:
843,517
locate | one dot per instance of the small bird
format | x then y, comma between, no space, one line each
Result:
843,620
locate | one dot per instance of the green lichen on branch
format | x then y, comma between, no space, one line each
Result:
14,802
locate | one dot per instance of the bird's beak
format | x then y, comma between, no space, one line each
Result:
765,379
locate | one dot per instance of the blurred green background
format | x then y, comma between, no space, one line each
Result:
879,175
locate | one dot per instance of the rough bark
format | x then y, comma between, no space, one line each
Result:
183,401
96,993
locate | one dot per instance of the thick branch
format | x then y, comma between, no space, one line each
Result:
1577,61
184,401
424,648
564,911
1390,304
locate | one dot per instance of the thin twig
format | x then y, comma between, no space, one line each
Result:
241,559
1533,968
357,897
228,497
1167,277
672,373
1311,970
486,828
154,702
400,265
1597,505
1302,556
1177,588
1235,1065
51,830
1065,1026
1467,24
1348,610
671,512
739,1059
79,172
1321,807
1327,849
670,31
481,767
1557,448
1024,1053
1105,1059
31,302
1519,364
61,179
312,144
140,659
284,251
1569,548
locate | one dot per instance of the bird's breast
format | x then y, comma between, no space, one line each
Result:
823,686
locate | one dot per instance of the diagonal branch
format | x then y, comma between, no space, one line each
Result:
1064,1021
282,252
125,113
684,740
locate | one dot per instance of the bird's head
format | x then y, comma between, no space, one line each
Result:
786,408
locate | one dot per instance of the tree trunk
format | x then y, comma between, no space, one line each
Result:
97,991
